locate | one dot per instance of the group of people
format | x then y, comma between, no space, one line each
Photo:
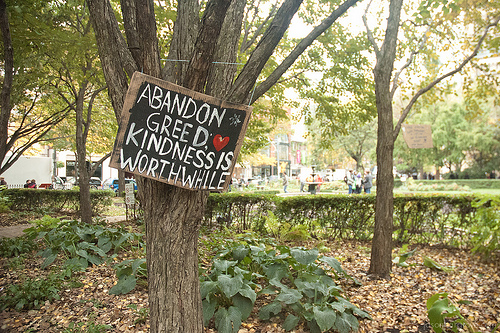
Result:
30,183
356,182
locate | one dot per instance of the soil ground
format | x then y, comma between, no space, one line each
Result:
396,305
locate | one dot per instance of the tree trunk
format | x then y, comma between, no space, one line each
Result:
421,172
8,77
81,160
381,255
173,215
121,182
172,229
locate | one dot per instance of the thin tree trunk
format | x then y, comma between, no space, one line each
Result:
81,152
381,255
8,77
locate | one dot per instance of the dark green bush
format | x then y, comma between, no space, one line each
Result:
337,216
420,218
4,200
236,208
470,183
56,200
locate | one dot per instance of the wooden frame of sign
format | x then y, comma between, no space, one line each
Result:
178,136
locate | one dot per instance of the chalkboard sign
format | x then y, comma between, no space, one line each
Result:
178,136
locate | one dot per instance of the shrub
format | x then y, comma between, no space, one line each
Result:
337,185
4,201
415,185
486,230
56,200
418,218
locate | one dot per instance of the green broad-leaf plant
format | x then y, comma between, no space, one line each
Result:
298,283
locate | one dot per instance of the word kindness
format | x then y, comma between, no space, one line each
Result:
178,136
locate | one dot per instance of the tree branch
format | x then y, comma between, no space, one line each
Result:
441,78
408,63
89,110
16,153
248,42
211,24
96,164
369,33
248,76
183,39
300,48
116,59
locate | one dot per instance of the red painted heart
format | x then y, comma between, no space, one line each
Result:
220,142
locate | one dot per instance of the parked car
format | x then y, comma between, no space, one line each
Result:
95,183
57,183
112,184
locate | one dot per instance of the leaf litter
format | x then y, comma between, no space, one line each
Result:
395,305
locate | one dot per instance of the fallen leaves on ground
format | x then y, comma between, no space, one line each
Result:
396,305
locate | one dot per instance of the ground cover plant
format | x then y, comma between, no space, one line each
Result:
87,299
295,279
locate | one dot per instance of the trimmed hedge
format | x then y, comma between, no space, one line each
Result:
56,200
237,208
471,183
422,218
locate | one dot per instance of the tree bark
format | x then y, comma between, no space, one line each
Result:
183,39
8,53
117,61
172,229
129,13
222,74
81,160
83,123
381,254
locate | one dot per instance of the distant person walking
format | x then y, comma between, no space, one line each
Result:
303,179
359,183
368,182
349,179
285,183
